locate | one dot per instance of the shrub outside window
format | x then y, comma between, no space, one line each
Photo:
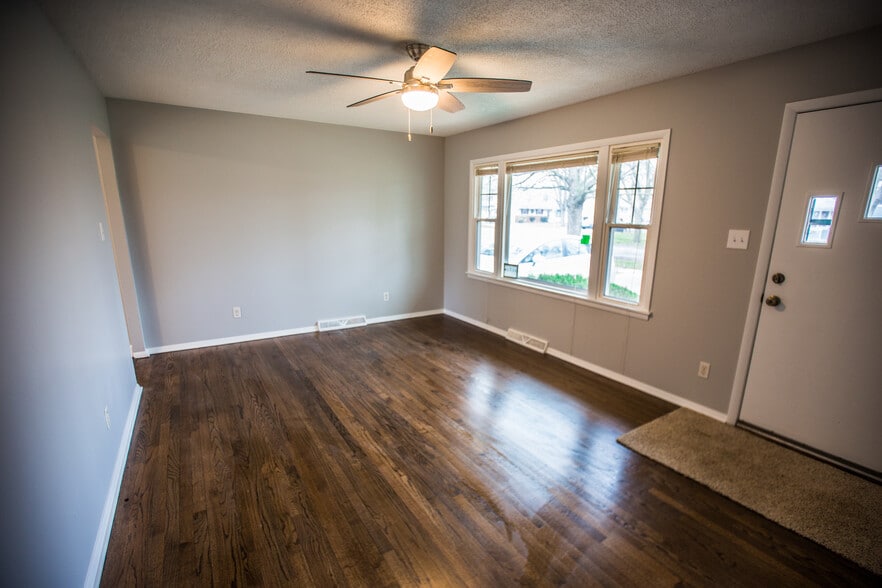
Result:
579,221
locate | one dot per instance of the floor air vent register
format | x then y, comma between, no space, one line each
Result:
341,323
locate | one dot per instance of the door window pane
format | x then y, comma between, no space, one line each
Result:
874,198
819,220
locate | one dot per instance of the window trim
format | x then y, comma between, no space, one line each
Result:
593,297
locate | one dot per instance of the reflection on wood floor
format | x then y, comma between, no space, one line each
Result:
421,452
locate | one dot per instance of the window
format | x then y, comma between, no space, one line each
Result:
579,221
820,220
873,211
486,183
548,230
630,218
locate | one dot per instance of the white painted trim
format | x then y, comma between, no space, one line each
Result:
141,354
401,317
283,333
476,323
231,340
605,372
638,385
102,539
764,256
118,240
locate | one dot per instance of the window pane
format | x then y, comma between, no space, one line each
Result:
636,182
874,199
819,220
646,173
487,191
628,174
550,224
624,272
625,206
484,246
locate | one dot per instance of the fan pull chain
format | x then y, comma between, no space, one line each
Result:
432,122
409,138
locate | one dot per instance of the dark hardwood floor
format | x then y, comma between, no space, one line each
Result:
421,452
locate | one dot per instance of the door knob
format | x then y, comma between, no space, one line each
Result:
773,300
778,278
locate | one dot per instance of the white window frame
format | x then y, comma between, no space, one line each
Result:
593,297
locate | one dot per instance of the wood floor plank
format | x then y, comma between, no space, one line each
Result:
419,453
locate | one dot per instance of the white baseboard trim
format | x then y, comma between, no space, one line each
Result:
476,323
231,340
401,317
99,549
284,333
140,354
605,372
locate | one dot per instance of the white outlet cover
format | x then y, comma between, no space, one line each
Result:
738,239
703,369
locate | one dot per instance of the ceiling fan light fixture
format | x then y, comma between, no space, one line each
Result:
419,98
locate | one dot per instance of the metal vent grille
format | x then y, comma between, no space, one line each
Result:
529,341
341,323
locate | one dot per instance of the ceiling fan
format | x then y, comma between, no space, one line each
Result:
424,86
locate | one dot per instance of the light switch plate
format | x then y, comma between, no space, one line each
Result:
738,239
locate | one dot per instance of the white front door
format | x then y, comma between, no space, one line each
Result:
815,374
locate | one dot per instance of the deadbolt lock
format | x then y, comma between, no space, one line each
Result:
778,278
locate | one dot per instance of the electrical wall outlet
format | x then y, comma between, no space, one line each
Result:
237,312
703,369
385,297
738,239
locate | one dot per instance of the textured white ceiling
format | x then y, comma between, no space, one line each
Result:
251,56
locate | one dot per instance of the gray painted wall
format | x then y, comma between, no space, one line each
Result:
724,126
292,221
65,352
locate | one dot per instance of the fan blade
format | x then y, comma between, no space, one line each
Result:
339,75
485,85
449,103
434,64
374,98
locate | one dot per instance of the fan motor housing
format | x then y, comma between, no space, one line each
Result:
416,50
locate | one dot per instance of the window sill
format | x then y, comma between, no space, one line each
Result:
561,295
